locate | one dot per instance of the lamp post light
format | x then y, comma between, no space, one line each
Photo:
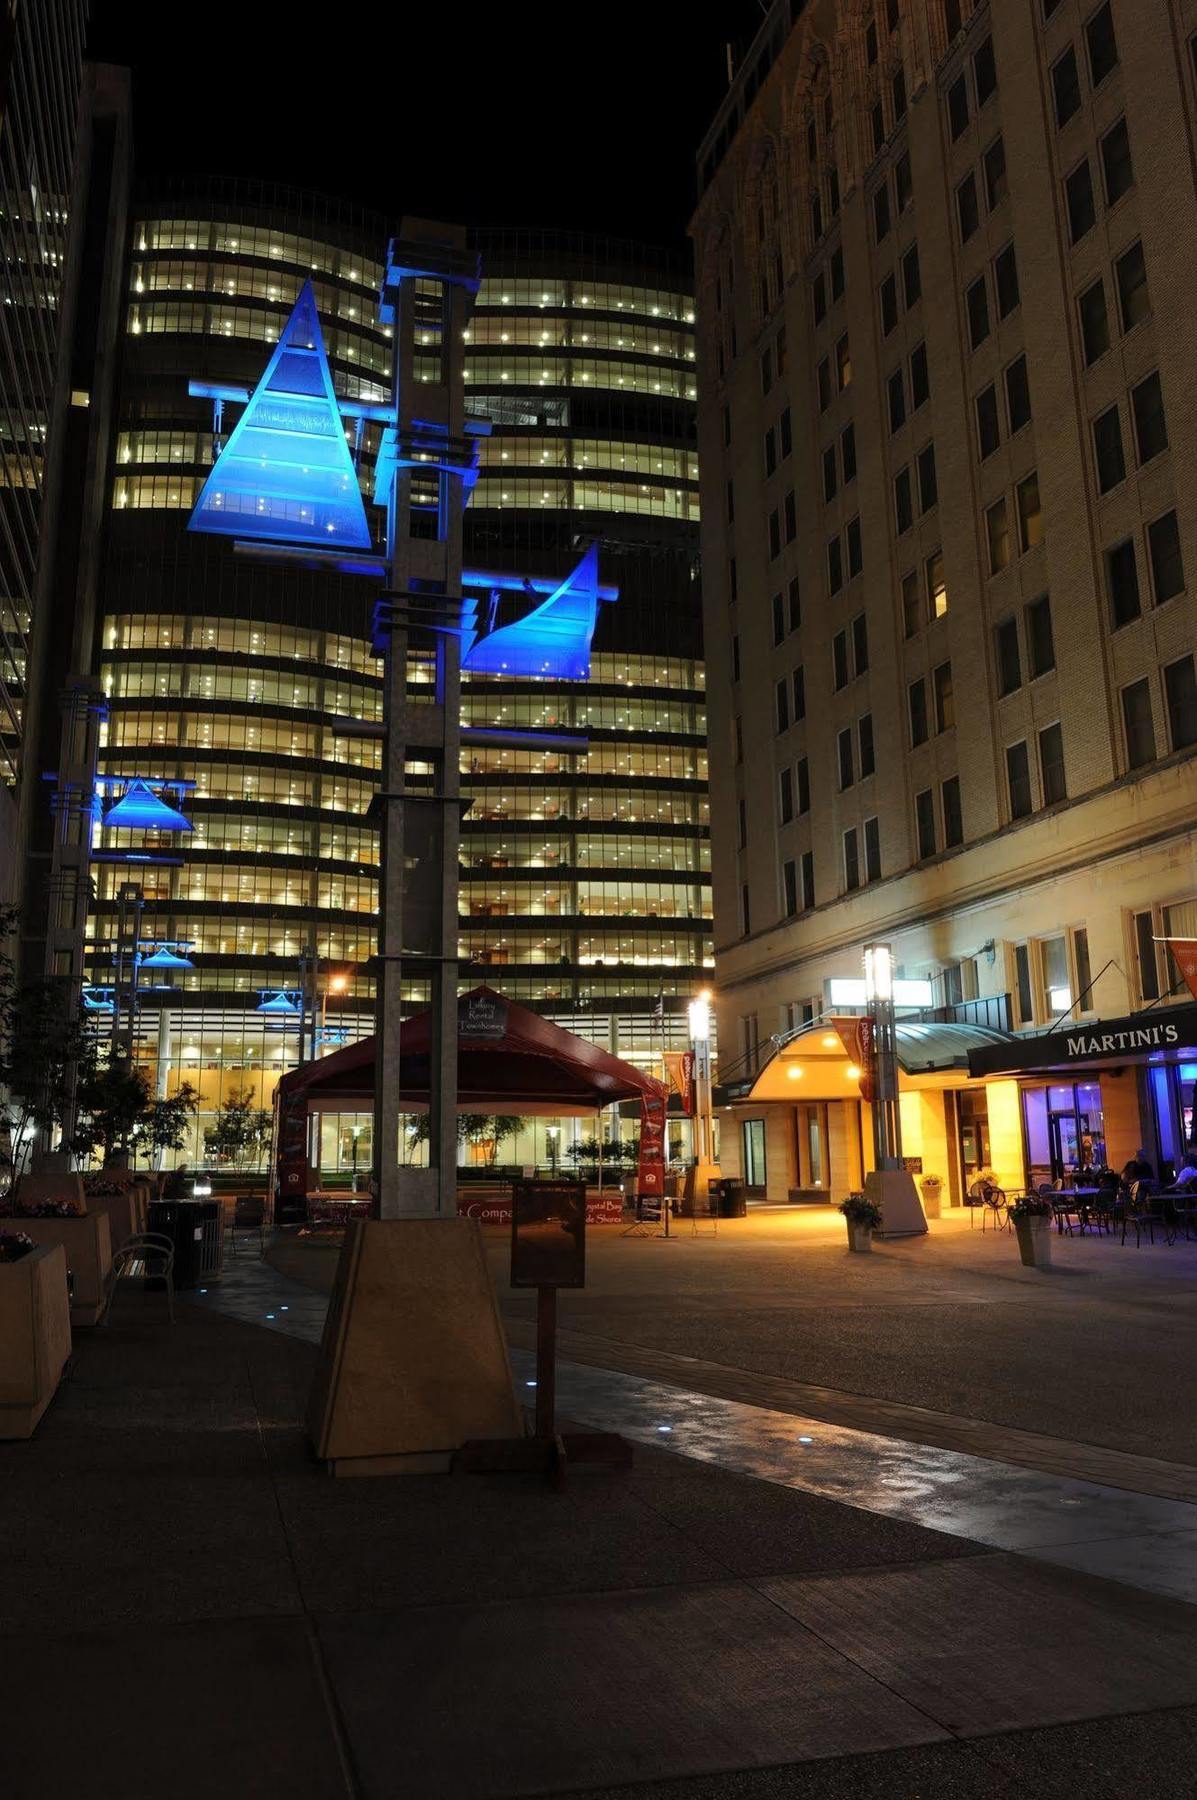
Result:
699,1017
336,984
879,995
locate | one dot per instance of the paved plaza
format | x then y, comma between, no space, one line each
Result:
768,1604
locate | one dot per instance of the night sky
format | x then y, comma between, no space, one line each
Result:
527,114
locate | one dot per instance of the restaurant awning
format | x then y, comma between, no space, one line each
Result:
814,1063
1160,1035
509,1060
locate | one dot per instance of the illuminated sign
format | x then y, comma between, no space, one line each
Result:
853,992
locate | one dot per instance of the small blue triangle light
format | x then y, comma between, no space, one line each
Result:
165,956
97,999
552,640
286,474
281,1006
141,809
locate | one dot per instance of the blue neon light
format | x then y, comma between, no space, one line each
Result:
552,639
164,957
286,473
141,809
280,1005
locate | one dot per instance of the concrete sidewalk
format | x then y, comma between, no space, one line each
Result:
191,1609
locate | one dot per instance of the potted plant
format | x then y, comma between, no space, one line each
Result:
1031,1215
864,1218
932,1188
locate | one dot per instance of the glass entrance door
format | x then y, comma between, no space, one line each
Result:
1066,1144
754,1153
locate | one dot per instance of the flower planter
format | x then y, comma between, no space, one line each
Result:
932,1191
35,1336
860,1237
87,1245
1034,1241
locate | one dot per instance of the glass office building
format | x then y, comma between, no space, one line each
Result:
585,873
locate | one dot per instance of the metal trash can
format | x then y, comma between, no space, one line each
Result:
195,1228
729,1197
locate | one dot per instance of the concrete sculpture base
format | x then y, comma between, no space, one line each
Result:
413,1362
893,1190
35,1337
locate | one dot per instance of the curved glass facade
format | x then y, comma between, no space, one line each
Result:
585,875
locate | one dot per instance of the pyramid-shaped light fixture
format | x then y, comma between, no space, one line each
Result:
286,475
141,809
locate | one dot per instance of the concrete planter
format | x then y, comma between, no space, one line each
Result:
860,1238
126,1210
932,1191
35,1337
1034,1241
87,1246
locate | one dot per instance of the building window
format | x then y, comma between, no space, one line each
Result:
996,186
1084,973
853,542
864,735
818,297
766,370
881,219
745,910
897,89
1018,395
727,435
912,280
1041,649
958,108
791,517
785,795
937,591
784,432
1122,583
735,645
1180,692
1134,301
742,824
1138,724
1022,983
782,705
997,528
1107,445
1030,512
1167,566
1018,778
903,185
798,683
1116,163
848,453
1103,47
839,659
733,586
896,390
824,382
985,72
1066,86
794,597
844,752
988,430
920,380
1005,281
1008,660
917,704
1051,764
1151,427
928,484
953,828
911,607
924,815
945,704
843,364
860,644
1095,324
889,305
851,862
770,452
829,474
803,772
1056,991
789,884
903,501
808,880
968,210
731,502
835,566
877,120
837,272
1149,973
872,846
977,303
1078,196
779,619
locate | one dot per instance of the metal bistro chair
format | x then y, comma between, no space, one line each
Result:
1065,1206
249,1214
1142,1210
148,1256
992,1201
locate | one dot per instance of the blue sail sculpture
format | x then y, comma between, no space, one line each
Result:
552,639
286,474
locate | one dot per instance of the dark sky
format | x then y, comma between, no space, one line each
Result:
517,114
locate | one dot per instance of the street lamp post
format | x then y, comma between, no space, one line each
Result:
879,993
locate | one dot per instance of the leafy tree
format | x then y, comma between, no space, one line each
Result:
240,1132
41,1039
503,1127
416,1127
118,1112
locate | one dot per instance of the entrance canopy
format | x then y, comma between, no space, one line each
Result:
509,1060
815,1063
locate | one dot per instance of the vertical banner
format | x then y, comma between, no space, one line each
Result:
650,1173
679,1067
1184,955
856,1035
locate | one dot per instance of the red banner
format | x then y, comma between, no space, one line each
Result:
856,1035
650,1173
1184,955
679,1066
495,1208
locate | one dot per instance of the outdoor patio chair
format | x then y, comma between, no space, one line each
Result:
148,1258
249,1214
992,1201
1065,1207
1141,1209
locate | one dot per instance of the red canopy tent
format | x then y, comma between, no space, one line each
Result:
509,1060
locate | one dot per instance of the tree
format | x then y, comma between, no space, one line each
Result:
41,1040
487,1131
416,1127
240,1131
118,1113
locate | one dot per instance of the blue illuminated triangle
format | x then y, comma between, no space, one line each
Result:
141,809
551,640
286,474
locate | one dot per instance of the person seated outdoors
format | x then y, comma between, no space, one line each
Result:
1187,1173
1138,1168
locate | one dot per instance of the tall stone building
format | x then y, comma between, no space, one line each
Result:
946,255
